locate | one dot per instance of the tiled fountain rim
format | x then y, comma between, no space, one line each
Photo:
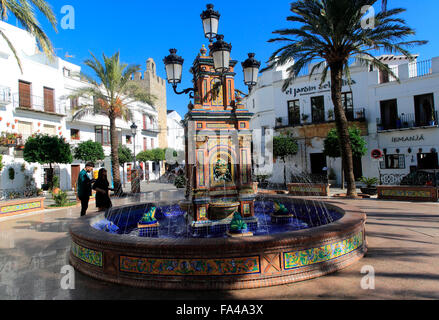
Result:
352,219
261,261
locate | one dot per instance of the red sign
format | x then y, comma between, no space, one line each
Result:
377,154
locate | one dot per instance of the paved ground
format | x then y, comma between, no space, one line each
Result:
403,250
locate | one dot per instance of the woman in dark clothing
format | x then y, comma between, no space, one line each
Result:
101,186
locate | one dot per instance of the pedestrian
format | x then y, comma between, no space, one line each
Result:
102,187
147,175
84,187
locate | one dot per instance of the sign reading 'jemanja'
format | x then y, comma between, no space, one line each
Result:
313,89
409,139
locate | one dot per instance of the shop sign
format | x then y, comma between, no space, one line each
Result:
307,90
416,138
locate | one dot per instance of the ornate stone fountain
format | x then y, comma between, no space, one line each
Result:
218,150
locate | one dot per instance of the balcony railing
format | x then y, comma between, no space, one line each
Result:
151,128
420,69
407,121
415,70
5,95
35,103
351,114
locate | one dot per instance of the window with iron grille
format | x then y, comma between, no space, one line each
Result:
393,161
294,112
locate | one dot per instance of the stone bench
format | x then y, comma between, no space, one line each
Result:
304,189
408,193
19,206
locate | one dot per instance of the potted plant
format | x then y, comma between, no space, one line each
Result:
330,114
380,126
432,121
56,188
262,180
180,182
371,184
278,121
360,114
332,177
305,118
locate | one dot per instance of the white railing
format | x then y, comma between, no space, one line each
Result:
36,103
151,127
420,69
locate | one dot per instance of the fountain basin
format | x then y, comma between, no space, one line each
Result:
221,210
221,263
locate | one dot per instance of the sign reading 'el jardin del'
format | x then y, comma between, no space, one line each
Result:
307,90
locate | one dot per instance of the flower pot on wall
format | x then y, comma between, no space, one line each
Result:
372,191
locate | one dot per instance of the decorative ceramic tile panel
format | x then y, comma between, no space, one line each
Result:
406,193
87,255
297,259
305,190
191,267
20,207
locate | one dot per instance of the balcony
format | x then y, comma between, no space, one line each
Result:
407,121
5,96
352,115
37,104
407,71
151,128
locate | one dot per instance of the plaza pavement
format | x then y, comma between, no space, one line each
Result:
403,243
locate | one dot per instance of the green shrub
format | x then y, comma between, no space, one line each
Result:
60,199
55,182
369,182
180,182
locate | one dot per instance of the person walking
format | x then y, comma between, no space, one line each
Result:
84,187
103,201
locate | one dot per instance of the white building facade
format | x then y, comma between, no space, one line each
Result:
175,131
35,101
399,118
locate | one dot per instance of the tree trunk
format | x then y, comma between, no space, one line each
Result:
50,177
115,156
342,127
285,174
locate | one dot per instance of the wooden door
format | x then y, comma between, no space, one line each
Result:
76,169
49,102
24,94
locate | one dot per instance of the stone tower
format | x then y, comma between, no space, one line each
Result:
156,86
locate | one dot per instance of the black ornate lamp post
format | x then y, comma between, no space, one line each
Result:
174,69
251,69
134,133
210,20
135,179
220,51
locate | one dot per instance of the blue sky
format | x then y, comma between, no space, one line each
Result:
141,29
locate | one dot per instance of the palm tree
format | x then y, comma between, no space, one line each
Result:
331,34
111,95
24,12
